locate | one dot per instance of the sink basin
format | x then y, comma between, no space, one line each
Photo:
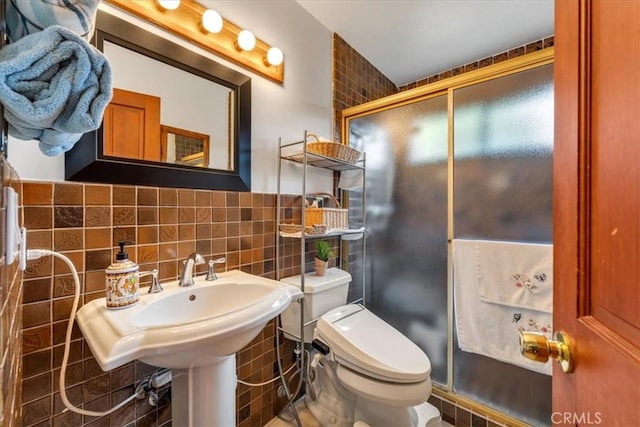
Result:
185,327
200,304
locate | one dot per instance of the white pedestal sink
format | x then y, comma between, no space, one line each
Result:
205,396
195,331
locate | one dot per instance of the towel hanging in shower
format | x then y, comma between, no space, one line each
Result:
487,328
515,274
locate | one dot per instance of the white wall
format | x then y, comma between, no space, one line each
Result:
304,101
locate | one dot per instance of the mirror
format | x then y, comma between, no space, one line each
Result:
177,119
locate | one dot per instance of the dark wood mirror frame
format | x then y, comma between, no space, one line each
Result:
86,161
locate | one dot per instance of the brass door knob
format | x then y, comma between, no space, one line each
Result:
535,346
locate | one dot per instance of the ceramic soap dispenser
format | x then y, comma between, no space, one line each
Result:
122,280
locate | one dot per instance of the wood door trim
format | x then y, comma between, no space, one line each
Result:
584,159
611,337
566,241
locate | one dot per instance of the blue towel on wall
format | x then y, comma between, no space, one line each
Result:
55,86
26,17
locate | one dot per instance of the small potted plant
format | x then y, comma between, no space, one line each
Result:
323,253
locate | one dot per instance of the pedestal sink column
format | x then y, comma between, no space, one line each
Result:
205,396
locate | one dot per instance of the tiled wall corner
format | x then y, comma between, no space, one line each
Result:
355,81
10,318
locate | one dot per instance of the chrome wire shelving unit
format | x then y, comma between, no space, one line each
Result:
297,152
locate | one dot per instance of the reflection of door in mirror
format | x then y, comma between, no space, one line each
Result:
181,146
132,126
188,101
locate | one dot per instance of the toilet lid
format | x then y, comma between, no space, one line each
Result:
362,341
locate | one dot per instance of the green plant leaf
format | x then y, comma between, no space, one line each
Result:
323,250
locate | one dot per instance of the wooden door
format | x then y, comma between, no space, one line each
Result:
132,126
597,210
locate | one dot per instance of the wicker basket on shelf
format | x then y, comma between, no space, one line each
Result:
332,149
291,228
309,230
333,218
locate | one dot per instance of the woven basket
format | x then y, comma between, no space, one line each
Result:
335,218
333,149
290,228
309,230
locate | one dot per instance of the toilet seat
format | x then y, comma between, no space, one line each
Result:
398,394
364,343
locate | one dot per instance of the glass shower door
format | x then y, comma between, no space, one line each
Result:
406,211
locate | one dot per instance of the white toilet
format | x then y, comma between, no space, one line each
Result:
372,374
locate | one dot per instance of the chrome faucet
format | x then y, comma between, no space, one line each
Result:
186,279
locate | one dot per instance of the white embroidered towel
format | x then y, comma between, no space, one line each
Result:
486,328
515,274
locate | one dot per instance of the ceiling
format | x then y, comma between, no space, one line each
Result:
408,40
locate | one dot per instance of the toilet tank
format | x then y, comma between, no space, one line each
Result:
321,294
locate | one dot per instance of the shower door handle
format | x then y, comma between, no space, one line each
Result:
536,347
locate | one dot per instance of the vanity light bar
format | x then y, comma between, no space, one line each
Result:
186,22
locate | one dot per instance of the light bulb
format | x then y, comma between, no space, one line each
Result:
275,56
169,4
246,40
212,21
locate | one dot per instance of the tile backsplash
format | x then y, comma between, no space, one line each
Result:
85,223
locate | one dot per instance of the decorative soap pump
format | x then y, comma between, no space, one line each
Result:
122,280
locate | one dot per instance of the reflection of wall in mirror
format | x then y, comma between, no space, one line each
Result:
188,101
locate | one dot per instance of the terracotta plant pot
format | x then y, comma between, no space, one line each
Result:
321,266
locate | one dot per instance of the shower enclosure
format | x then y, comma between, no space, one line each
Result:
469,157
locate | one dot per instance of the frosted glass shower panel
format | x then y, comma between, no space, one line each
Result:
503,142
502,169
406,211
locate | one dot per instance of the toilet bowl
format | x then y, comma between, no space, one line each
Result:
386,375
371,374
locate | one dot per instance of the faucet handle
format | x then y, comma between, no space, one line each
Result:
155,286
211,272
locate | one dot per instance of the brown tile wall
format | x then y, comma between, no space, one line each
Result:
10,317
490,60
355,81
85,222
459,415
